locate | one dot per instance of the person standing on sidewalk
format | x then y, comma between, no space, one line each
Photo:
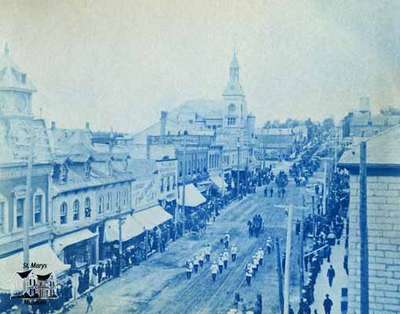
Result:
346,263
89,301
327,304
331,274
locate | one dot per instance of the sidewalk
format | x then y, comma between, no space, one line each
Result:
340,281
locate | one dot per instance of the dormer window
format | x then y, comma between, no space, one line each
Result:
23,78
64,174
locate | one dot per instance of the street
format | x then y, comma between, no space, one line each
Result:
159,285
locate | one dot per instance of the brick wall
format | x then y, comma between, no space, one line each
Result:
384,245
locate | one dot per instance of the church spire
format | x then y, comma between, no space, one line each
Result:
234,68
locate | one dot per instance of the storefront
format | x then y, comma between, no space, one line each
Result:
11,265
193,197
131,234
78,248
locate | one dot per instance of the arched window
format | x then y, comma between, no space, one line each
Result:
63,213
88,209
100,205
75,208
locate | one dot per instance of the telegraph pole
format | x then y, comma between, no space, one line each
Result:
279,271
184,182
325,187
301,253
238,165
287,259
28,204
364,293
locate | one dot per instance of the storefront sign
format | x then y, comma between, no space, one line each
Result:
144,194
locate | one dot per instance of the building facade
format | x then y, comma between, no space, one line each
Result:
383,203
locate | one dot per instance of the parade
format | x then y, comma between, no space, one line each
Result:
199,157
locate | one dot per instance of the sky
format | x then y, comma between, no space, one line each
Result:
116,63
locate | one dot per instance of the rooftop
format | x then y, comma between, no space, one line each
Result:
382,150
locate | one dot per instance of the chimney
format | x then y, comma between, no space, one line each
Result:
53,125
87,125
163,123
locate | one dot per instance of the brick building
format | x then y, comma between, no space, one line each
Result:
383,206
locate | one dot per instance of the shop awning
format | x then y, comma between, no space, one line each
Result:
152,217
10,265
219,182
75,237
193,196
130,228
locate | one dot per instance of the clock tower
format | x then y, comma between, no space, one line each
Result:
15,88
235,113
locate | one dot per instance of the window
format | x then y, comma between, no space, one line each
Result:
162,185
100,205
124,198
231,121
38,201
168,184
20,212
180,168
109,201
75,208
117,199
88,210
2,212
173,182
63,213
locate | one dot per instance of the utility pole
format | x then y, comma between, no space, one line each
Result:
301,254
335,157
238,165
364,293
184,183
279,271
325,187
28,203
120,244
287,259
313,215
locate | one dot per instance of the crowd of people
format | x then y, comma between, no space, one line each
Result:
325,231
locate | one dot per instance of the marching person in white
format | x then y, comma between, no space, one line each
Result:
207,252
234,251
196,264
220,264
227,238
214,271
255,264
225,258
260,256
249,274
189,269
201,257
